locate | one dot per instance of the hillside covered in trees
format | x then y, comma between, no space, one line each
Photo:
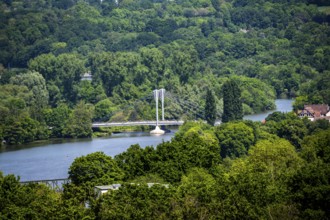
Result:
198,50
270,48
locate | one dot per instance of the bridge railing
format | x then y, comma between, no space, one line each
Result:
137,123
55,184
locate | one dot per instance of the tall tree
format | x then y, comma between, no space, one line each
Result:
232,104
36,83
96,167
210,108
235,139
79,123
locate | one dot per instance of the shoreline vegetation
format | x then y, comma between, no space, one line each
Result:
66,63
275,169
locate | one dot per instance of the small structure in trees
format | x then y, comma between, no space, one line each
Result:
99,190
315,112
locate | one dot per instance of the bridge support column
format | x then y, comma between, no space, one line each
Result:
157,130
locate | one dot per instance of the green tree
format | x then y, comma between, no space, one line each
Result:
32,201
97,168
79,123
154,60
69,68
90,93
24,129
210,108
310,189
56,119
136,161
134,201
258,183
63,71
316,146
183,63
104,110
293,130
193,147
107,69
197,192
45,65
235,139
232,105
37,85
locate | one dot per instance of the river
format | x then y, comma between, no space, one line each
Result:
282,105
51,159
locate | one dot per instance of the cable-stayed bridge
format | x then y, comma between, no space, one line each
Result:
175,108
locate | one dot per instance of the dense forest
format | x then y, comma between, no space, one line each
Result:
202,52
272,49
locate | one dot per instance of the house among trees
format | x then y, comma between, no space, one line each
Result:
99,190
87,76
315,112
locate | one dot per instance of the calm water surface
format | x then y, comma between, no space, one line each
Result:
282,105
51,160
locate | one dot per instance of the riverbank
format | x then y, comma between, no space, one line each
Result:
51,159
108,131
282,105
37,161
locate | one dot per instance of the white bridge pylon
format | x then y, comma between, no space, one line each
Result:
158,94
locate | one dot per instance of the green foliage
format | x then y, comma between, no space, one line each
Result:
268,48
144,203
17,125
136,161
235,139
79,123
37,85
316,92
198,184
310,189
89,93
57,119
63,71
316,146
103,110
276,117
210,108
23,130
257,184
232,105
293,130
194,148
252,88
97,168
26,201
271,180
278,157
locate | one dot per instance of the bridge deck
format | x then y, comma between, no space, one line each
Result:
56,184
136,123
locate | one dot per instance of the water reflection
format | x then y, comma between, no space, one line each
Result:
282,105
52,159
